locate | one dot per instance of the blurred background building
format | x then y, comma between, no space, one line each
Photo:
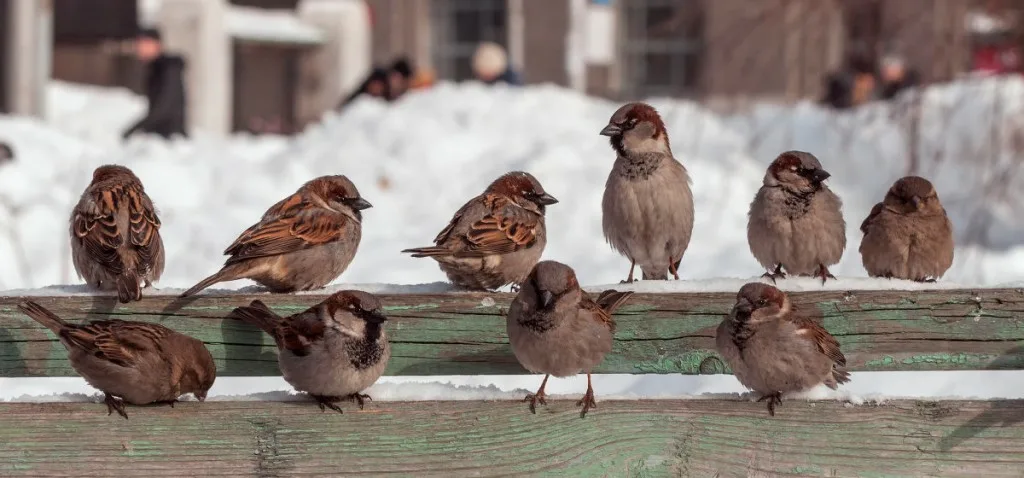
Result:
277,65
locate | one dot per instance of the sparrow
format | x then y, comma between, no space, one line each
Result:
303,242
796,222
907,235
6,153
773,350
115,234
135,362
332,351
496,238
647,209
557,329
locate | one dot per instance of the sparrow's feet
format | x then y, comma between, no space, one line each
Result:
326,402
534,399
168,402
824,274
587,402
673,268
359,398
115,404
773,399
777,274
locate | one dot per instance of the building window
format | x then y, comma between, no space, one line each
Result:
459,26
661,47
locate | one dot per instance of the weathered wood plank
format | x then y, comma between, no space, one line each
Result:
621,438
463,333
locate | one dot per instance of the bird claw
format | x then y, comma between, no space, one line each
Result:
115,404
326,402
777,274
627,281
359,398
534,399
773,399
587,402
824,274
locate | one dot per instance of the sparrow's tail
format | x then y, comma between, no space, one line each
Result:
228,273
611,299
128,288
257,314
40,314
432,251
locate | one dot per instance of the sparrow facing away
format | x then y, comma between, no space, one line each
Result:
135,362
115,234
647,209
796,222
303,242
773,350
907,235
333,350
496,238
557,329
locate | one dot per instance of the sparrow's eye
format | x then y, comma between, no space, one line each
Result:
631,122
794,168
762,302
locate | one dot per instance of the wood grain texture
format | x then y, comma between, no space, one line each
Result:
463,333
689,438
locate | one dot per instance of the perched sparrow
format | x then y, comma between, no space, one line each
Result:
6,153
772,350
303,242
496,238
115,234
557,329
647,206
332,351
907,235
796,222
135,362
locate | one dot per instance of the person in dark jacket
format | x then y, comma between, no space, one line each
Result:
165,88
399,78
490,65
895,77
376,84
853,85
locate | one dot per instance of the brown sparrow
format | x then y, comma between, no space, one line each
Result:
557,329
647,210
115,234
796,222
496,238
907,235
332,351
773,350
303,242
135,362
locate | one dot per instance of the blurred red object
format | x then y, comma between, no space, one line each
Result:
996,59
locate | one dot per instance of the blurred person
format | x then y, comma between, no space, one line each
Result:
894,77
399,78
165,88
854,85
424,78
376,85
6,153
490,65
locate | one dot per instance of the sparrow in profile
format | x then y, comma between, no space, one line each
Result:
557,329
115,234
332,351
496,238
796,222
772,350
135,362
303,242
907,235
647,210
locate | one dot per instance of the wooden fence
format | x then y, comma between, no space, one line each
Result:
464,334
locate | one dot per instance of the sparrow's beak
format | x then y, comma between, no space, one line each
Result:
611,130
546,298
359,204
742,309
546,199
819,175
917,202
376,317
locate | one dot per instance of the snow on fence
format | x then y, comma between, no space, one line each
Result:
464,333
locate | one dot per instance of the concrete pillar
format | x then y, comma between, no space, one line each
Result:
197,30
344,59
31,46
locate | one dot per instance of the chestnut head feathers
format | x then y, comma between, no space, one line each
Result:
338,193
551,280
522,188
364,316
637,128
756,301
199,378
797,171
913,194
114,171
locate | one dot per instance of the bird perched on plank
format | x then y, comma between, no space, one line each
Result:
332,351
557,329
303,242
796,222
774,350
135,362
115,234
647,209
496,238
907,235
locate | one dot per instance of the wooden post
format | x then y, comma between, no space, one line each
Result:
30,43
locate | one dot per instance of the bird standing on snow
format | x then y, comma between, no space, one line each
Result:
332,351
497,237
135,362
796,222
557,329
303,242
772,350
647,206
115,234
907,235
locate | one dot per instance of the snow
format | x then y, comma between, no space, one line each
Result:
422,157
274,26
